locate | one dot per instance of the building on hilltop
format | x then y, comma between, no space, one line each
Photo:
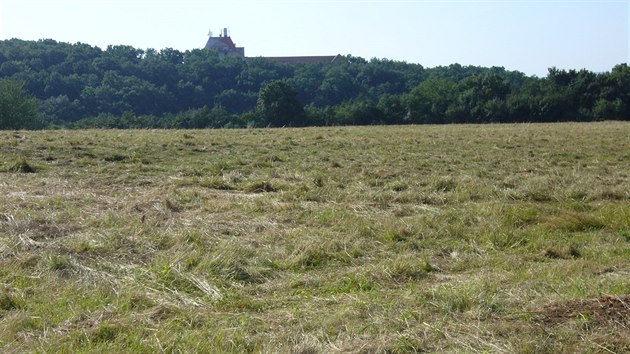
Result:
323,59
225,47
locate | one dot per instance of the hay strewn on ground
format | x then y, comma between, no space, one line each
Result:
501,238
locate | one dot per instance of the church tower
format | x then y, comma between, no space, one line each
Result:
224,46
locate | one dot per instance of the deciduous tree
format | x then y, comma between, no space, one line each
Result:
18,110
278,105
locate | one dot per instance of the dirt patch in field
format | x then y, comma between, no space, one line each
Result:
605,310
39,230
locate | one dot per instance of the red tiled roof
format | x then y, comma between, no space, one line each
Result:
305,60
212,41
228,42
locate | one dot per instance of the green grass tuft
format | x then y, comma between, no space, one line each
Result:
22,166
260,187
9,302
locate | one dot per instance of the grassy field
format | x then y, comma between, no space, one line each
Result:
493,238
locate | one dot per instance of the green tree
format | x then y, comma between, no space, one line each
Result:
169,88
18,110
278,105
429,101
392,109
360,112
604,109
620,88
482,97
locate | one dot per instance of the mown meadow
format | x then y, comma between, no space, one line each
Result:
451,238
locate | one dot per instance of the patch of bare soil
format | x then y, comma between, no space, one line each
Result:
605,310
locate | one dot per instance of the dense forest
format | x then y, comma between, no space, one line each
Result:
47,84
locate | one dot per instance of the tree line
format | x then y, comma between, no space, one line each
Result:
45,84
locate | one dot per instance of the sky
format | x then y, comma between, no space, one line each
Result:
525,35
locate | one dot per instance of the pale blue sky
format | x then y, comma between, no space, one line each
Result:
524,35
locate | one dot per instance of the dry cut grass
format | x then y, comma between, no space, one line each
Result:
495,238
